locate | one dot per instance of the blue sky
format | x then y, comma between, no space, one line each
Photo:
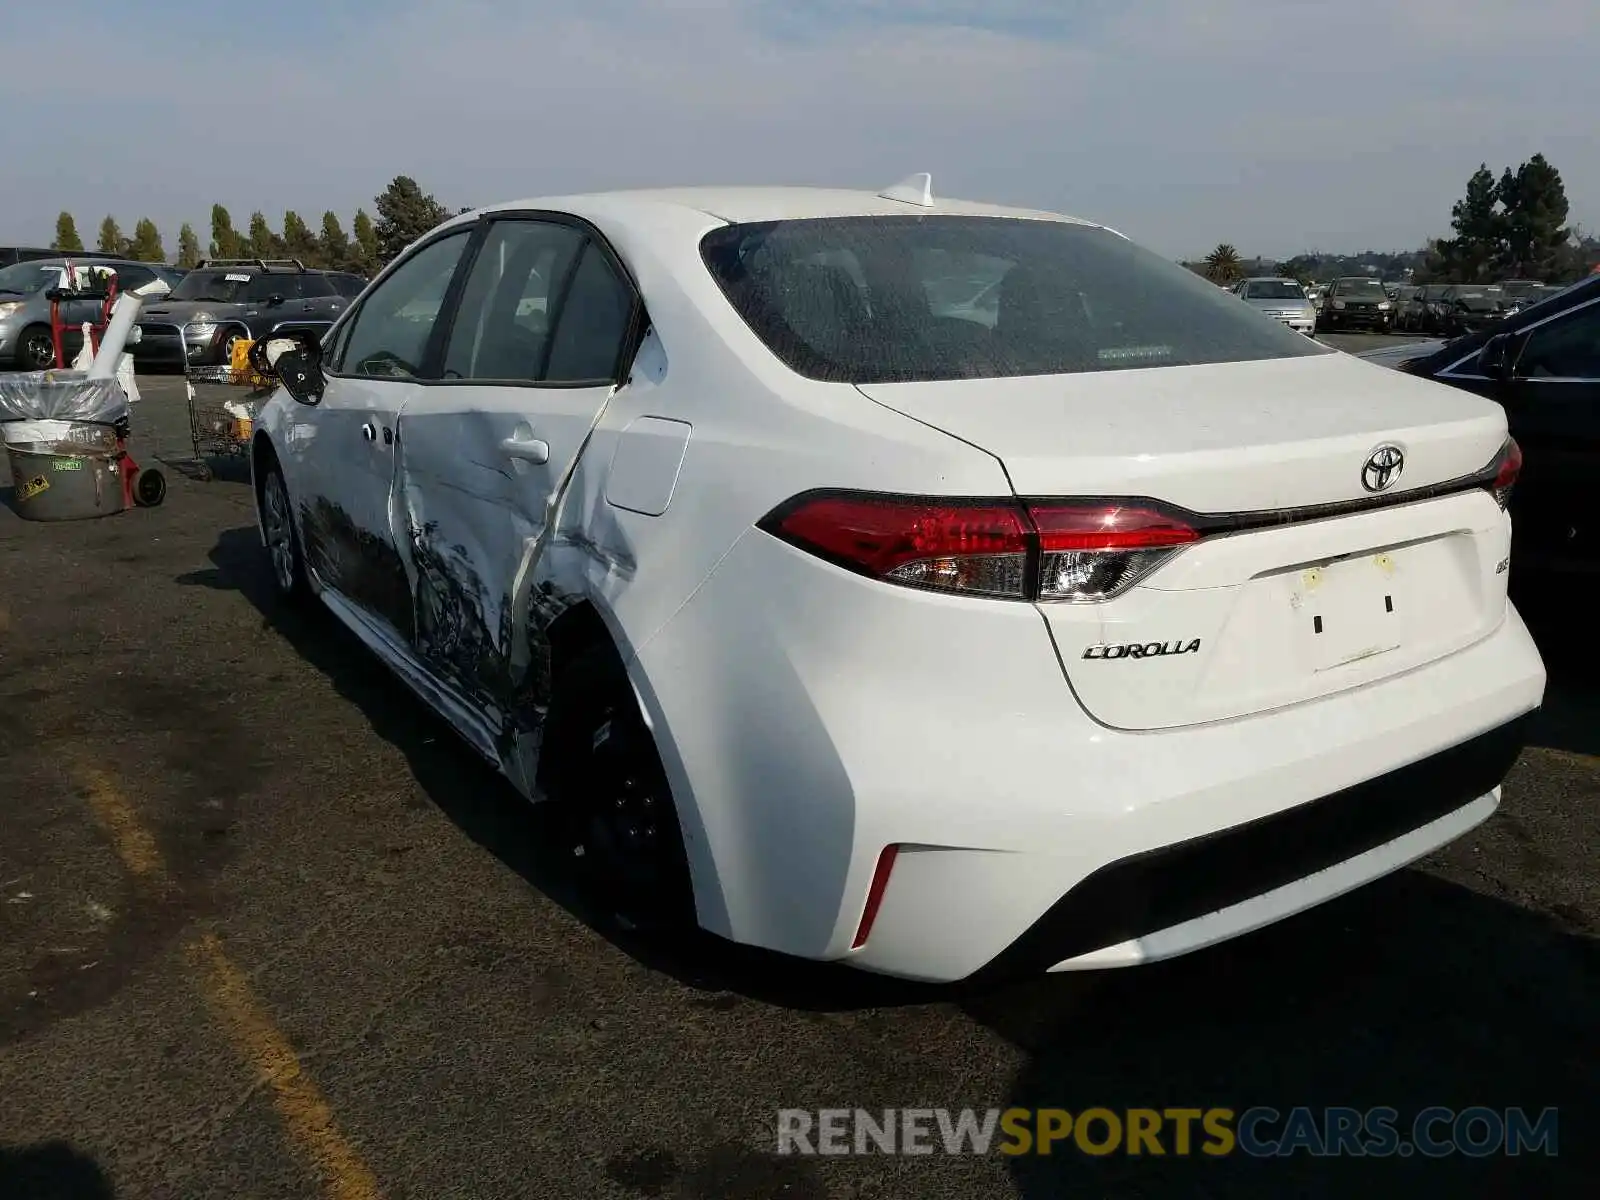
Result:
1277,126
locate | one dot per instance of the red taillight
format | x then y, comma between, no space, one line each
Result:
1507,468
978,548
875,890
1047,550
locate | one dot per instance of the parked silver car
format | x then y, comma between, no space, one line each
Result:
25,337
1282,298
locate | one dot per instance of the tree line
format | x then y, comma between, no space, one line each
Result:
404,213
1513,226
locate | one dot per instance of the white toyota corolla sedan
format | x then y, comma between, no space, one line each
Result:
940,588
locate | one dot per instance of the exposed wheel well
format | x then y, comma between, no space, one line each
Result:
570,636
572,633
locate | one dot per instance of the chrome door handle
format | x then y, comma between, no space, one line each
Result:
369,431
528,449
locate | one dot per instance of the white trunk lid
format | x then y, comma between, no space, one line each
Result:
1282,611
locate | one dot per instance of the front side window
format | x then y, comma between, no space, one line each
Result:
1568,348
894,299
389,335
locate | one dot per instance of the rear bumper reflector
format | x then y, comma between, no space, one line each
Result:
880,882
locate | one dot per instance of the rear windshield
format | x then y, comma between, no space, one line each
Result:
900,299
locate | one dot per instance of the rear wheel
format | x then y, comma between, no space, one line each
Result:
623,823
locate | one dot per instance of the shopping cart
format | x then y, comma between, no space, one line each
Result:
223,403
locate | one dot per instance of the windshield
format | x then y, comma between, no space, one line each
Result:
1361,287
24,279
218,287
1273,289
1478,301
895,299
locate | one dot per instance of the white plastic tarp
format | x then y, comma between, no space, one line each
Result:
61,396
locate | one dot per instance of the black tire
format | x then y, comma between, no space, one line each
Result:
149,488
603,768
36,349
286,559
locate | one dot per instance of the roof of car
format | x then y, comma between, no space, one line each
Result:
737,205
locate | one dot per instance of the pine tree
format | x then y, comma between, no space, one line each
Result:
404,215
1535,237
299,242
188,246
67,239
263,242
225,239
111,239
366,238
1480,229
334,246
146,245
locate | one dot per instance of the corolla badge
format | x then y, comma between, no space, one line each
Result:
1382,468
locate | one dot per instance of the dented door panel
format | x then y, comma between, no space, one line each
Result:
345,505
471,510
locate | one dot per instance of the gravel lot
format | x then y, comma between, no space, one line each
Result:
267,930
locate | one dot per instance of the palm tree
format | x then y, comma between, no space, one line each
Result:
1222,264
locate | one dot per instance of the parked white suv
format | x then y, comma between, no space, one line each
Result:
1081,625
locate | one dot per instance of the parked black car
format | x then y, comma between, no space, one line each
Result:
1356,302
219,302
10,256
1543,365
1467,308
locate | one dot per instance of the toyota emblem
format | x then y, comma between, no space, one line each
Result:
1382,468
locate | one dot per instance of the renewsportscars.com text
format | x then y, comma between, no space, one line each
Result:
1259,1132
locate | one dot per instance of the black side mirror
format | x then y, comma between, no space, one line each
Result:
274,300
298,366
1498,358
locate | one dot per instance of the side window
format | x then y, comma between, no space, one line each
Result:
130,278
592,323
315,287
502,328
259,288
1564,349
389,335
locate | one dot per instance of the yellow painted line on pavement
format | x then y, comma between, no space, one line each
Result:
132,841
305,1113
300,1104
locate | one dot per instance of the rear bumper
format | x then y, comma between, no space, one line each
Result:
810,718
1181,897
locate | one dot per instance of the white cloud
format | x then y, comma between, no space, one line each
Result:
1181,122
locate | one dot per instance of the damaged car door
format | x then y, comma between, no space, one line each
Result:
344,448
530,361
